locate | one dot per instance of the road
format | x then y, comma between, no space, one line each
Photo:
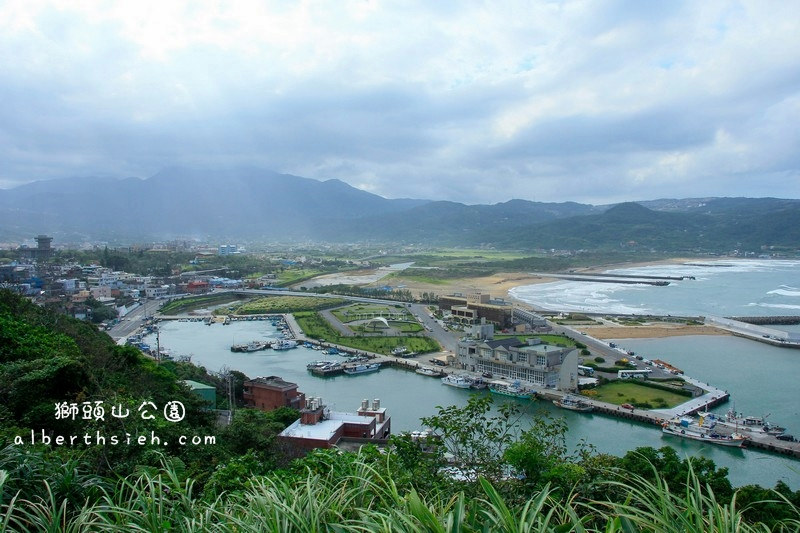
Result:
134,319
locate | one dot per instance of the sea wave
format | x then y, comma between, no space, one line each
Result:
707,269
576,296
775,306
786,290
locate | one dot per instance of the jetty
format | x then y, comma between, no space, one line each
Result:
659,281
775,337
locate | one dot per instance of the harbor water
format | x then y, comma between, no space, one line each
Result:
724,361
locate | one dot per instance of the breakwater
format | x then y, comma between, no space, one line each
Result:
767,320
658,281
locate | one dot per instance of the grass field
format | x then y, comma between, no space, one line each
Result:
196,302
629,391
356,311
285,304
402,327
316,327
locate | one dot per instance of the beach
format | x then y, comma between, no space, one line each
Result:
649,331
497,286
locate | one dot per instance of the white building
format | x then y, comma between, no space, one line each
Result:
535,363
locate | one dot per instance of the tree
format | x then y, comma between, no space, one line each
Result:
648,463
540,455
475,439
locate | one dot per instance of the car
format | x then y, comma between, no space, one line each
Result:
787,438
627,406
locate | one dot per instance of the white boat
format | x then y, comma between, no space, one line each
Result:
478,384
362,369
322,364
740,423
573,403
284,345
460,382
703,431
427,371
512,390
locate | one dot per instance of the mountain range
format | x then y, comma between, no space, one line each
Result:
248,204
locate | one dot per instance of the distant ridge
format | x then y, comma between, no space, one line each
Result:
260,205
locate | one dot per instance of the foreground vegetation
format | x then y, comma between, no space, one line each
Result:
507,477
364,497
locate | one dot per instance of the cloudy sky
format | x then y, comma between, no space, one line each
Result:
476,102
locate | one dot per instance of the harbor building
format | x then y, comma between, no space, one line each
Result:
533,362
469,309
268,393
319,427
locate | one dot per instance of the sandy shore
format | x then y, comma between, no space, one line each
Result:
649,331
498,285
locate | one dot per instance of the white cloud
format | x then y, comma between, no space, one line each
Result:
585,101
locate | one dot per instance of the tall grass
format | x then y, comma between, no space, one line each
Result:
369,501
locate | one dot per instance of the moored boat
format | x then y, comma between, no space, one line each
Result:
460,382
427,371
688,428
478,384
573,403
362,369
252,346
741,423
284,345
513,390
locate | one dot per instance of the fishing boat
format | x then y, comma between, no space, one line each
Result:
573,403
252,346
478,384
513,390
362,369
703,431
741,423
284,345
321,364
427,371
460,382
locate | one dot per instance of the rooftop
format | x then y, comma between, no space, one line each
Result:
273,382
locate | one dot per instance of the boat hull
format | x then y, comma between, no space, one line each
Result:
362,369
521,395
731,442
581,408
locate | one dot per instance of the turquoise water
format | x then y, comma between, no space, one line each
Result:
759,377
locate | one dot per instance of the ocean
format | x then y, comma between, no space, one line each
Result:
721,288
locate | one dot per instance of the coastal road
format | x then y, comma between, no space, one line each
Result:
135,319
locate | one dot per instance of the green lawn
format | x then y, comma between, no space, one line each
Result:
547,339
316,327
351,312
402,327
285,304
196,302
632,392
